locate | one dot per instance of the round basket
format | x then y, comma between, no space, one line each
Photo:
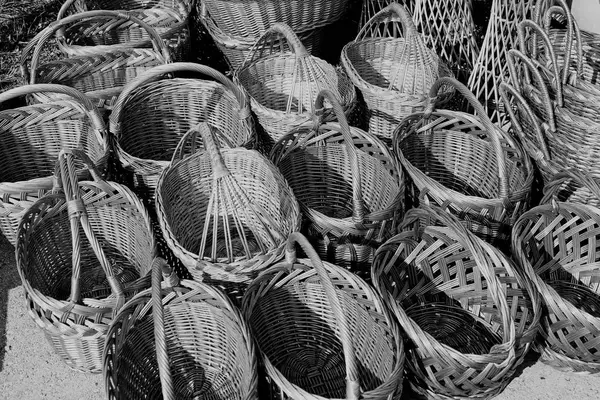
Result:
465,163
555,244
100,76
348,185
31,137
322,332
283,84
90,37
469,316
191,343
224,213
394,73
155,110
81,252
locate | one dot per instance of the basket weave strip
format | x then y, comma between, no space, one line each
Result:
323,332
372,7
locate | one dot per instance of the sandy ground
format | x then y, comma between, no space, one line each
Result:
30,370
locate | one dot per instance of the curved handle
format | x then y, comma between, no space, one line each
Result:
352,376
42,37
76,209
270,43
157,72
492,130
358,205
552,188
391,13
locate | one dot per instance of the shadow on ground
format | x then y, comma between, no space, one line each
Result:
9,279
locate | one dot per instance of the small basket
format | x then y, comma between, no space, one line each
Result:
31,137
283,84
350,188
82,252
155,110
224,213
469,317
556,246
322,332
100,76
394,71
191,343
465,163
89,37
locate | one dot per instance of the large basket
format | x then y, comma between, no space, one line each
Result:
225,213
465,163
89,37
100,76
156,109
349,186
81,253
394,70
191,343
283,84
31,138
556,246
322,332
469,317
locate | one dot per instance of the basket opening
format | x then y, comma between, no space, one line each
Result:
579,295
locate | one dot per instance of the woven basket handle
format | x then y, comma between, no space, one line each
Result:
391,13
552,188
36,44
493,131
358,205
66,175
352,376
159,71
270,43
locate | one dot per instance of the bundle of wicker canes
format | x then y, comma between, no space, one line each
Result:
463,162
100,76
283,83
556,245
82,252
157,108
393,68
170,19
31,138
322,332
469,316
225,213
191,343
349,187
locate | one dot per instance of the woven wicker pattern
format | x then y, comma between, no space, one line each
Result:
192,337
372,7
81,253
556,246
464,162
31,137
225,213
101,76
469,316
283,84
322,331
154,111
349,187
393,68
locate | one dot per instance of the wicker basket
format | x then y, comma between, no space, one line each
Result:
225,213
470,318
322,332
192,343
91,37
556,247
81,253
100,76
350,188
154,111
394,70
283,84
372,7
464,162
31,139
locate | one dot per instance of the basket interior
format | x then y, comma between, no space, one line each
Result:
156,116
